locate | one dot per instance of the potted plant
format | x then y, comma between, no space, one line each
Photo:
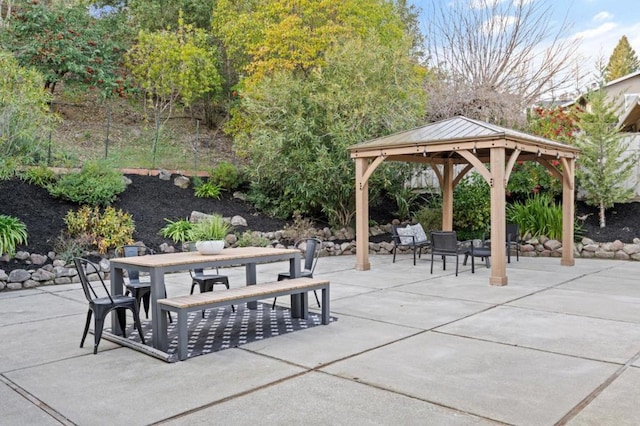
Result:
209,234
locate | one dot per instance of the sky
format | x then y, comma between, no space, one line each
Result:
599,24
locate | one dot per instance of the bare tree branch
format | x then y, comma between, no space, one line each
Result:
502,54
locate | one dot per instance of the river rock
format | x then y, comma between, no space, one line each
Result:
42,275
19,276
238,221
38,259
182,182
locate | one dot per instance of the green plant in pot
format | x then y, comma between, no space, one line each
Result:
209,234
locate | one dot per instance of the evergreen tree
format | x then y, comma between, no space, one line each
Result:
623,61
604,166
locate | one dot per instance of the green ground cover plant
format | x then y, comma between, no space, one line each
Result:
97,184
12,232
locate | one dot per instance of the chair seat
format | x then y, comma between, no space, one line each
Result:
216,278
138,285
287,275
117,300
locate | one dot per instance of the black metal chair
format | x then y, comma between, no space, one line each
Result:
101,306
407,237
140,290
513,240
205,282
477,248
445,243
311,255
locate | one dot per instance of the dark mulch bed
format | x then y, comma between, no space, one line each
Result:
151,200
148,199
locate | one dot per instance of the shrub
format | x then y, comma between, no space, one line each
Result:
67,248
252,239
538,215
225,175
208,190
471,207
178,231
97,184
12,232
41,176
405,198
301,228
105,230
429,217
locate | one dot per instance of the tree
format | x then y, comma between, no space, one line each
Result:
24,113
623,61
171,66
67,44
266,36
296,127
605,165
495,58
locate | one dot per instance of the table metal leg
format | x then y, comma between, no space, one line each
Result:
117,284
298,301
251,276
157,292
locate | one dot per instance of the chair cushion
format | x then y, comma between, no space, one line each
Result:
406,235
419,233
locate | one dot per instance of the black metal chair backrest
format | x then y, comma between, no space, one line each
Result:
312,253
85,266
132,251
513,232
444,242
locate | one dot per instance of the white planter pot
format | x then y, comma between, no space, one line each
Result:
210,247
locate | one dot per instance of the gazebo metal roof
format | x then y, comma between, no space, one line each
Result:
457,130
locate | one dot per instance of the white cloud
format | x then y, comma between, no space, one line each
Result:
602,16
602,30
484,4
487,4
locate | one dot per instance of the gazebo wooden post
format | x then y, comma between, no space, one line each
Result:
568,179
362,216
447,196
498,222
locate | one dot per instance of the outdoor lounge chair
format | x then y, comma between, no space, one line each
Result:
101,306
412,236
477,248
445,243
513,240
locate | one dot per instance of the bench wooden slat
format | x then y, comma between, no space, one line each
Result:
184,304
258,290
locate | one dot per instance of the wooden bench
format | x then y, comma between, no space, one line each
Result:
182,305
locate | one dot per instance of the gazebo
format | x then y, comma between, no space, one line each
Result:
461,140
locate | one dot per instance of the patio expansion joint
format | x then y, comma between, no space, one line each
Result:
597,391
408,395
230,397
35,401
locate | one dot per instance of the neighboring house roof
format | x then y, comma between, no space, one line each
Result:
623,78
629,113
629,120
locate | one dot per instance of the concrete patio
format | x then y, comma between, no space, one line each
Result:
558,345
